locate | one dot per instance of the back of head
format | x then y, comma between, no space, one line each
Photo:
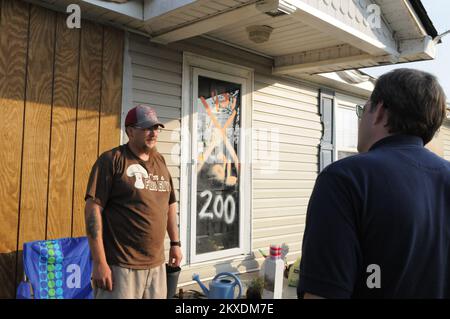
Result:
415,102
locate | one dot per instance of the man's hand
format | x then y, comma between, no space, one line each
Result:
175,256
102,276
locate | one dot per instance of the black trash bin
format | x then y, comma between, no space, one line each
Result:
172,280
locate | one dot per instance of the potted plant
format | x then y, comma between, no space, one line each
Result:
255,288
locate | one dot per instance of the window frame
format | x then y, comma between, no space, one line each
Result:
347,103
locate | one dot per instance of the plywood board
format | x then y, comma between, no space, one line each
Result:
13,53
62,148
87,117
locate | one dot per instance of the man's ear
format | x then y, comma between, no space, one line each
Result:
127,131
381,114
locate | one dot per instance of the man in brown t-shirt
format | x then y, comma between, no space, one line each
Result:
130,203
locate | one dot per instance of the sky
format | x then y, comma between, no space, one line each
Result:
439,13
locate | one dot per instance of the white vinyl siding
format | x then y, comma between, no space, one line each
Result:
287,131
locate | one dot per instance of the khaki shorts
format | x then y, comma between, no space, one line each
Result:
136,284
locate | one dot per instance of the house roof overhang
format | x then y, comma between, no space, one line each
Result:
308,37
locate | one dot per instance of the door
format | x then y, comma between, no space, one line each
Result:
217,181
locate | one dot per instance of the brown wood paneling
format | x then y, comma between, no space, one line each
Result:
35,160
109,135
13,51
87,117
53,83
59,220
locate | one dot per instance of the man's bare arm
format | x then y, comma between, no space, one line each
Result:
92,222
94,230
101,273
172,226
175,254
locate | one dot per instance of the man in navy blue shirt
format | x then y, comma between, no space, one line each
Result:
378,223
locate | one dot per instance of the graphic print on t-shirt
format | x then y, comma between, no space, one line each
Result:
144,180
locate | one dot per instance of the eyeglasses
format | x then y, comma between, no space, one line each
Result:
360,110
156,128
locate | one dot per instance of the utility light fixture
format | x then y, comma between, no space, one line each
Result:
259,33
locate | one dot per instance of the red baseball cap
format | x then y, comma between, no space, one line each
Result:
143,116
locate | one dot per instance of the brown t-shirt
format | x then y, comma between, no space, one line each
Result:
135,196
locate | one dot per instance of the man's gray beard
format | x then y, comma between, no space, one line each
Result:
146,148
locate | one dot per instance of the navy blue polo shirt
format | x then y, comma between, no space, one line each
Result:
378,225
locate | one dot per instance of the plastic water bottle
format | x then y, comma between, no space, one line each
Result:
273,274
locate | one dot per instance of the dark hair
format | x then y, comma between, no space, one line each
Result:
415,101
